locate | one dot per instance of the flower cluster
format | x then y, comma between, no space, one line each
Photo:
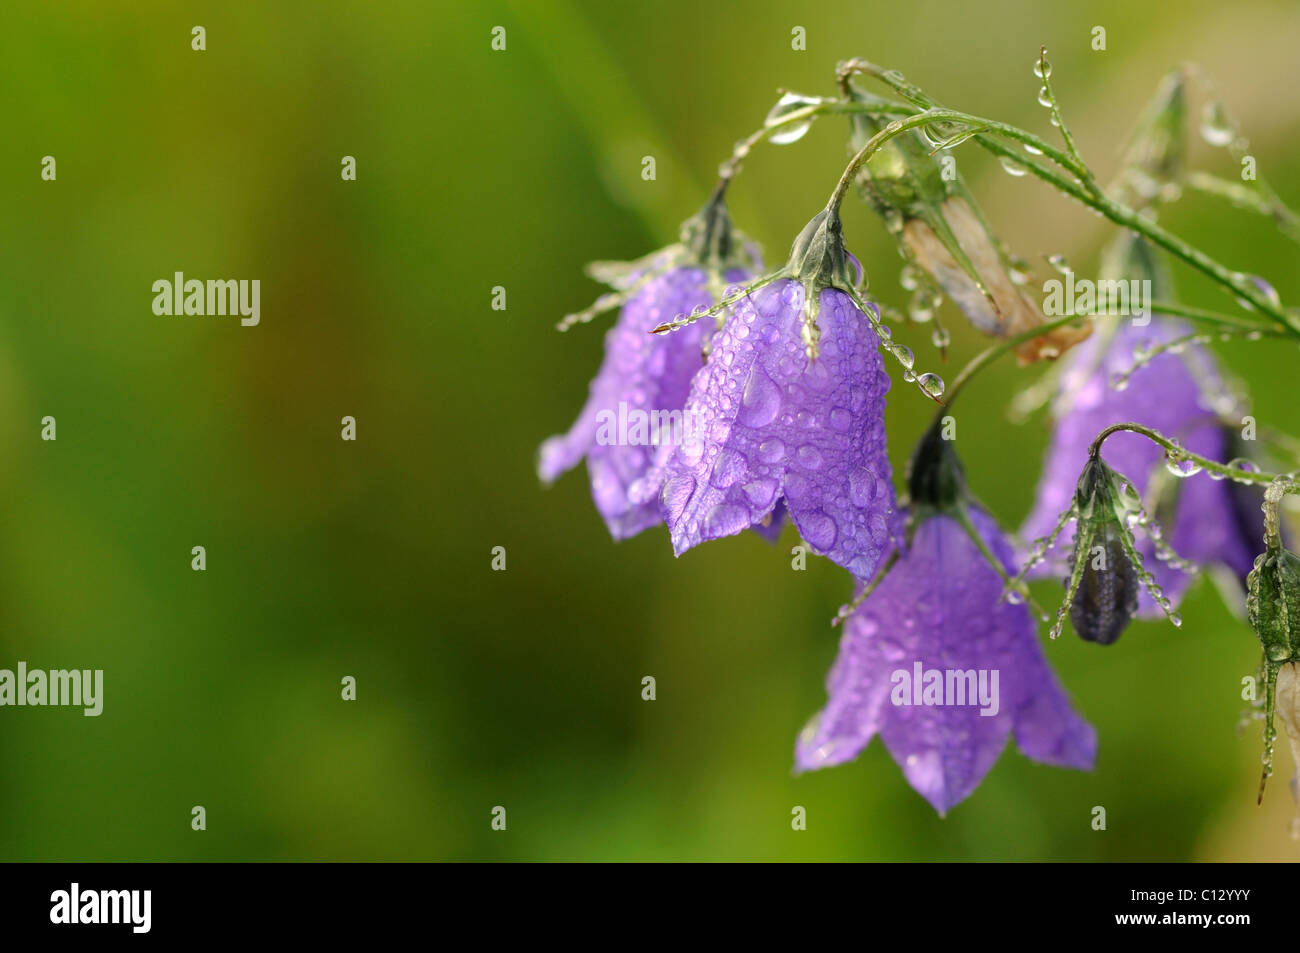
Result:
735,398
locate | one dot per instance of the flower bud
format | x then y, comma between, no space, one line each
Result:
1104,580
1273,604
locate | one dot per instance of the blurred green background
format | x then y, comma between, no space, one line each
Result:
372,559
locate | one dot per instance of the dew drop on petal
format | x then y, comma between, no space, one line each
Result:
819,530
725,519
761,401
771,450
676,494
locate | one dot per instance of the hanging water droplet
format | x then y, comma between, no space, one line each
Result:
932,384
795,131
1060,263
940,337
1042,68
907,278
1180,464
1012,167
903,354
1216,128
1033,150
1044,97
1015,597
1268,292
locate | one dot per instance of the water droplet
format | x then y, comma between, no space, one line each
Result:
932,384
729,469
1033,150
1060,263
770,451
904,355
819,530
809,457
864,486
841,420
1145,348
1266,290
676,494
725,519
940,337
760,493
1042,68
1012,167
795,131
761,401
1044,97
1216,128
1181,465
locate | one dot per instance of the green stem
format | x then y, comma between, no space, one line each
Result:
910,118
1045,74
1212,466
1084,189
1210,317
992,353
1130,219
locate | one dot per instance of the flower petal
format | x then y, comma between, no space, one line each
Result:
938,609
646,374
773,424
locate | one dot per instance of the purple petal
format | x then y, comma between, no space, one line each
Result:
938,608
648,375
774,425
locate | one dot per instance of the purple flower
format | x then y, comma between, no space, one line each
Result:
1168,394
644,380
937,610
773,426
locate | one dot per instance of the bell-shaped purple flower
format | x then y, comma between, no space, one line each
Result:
1171,393
773,426
636,400
944,671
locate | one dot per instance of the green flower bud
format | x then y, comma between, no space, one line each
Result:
1273,604
1105,578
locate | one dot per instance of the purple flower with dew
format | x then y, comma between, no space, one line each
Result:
774,426
641,386
944,671
1171,393
635,404
788,414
